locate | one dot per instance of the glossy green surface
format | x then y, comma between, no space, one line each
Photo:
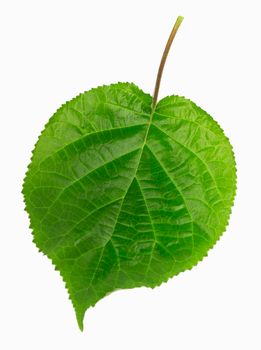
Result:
121,196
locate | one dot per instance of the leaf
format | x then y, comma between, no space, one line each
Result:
121,195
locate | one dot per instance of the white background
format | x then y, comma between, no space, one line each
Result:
52,51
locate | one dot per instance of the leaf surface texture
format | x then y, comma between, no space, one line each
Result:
121,195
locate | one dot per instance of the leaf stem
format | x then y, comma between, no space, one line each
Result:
164,58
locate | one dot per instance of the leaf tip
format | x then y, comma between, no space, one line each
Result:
80,318
80,324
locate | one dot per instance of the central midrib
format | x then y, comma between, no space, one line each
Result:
144,143
123,198
135,173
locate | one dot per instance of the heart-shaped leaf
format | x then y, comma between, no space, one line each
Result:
124,192
121,195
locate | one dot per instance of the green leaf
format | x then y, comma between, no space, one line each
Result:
123,195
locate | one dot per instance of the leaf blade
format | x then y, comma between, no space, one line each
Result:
121,195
